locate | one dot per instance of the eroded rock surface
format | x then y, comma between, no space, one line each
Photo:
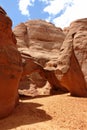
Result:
42,41
62,55
72,60
10,66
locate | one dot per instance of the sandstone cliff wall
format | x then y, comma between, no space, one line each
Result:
61,54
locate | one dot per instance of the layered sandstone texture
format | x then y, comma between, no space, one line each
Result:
40,39
10,66
38,42
62,55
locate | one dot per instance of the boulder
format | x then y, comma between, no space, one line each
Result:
72,59
10,66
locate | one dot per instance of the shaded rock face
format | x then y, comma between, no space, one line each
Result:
33,77
42,41
10,66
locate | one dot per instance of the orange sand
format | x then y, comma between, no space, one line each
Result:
58,112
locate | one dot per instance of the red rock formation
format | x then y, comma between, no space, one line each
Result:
72,60
42,41
10,66
64,60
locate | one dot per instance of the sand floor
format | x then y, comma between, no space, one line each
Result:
58,112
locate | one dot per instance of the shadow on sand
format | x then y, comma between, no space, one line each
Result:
25,113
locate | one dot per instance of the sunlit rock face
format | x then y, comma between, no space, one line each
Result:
10,66
62,55
72,60
42,41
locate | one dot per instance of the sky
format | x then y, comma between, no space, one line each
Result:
59,12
